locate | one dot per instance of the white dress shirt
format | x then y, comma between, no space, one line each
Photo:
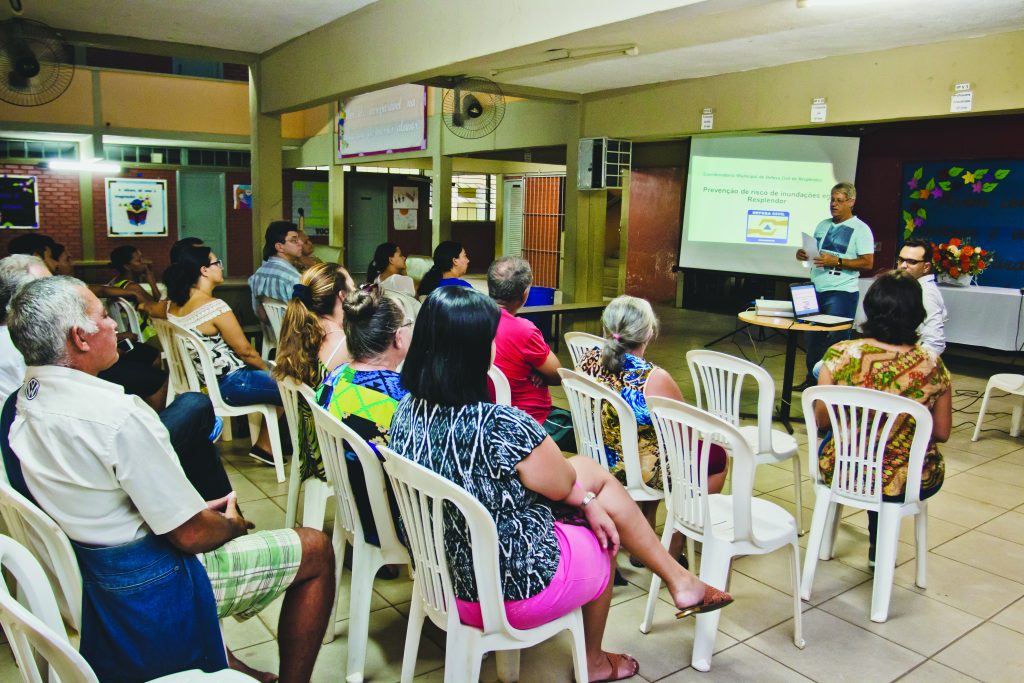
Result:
932,331
97,460
12,365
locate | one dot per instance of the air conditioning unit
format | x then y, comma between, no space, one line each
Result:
602,163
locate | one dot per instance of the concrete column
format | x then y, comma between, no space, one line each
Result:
265,136
442,184
336,200
583,247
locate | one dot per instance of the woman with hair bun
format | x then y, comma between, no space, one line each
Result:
312,344
364,393
630,325
450,264
889,358
387,270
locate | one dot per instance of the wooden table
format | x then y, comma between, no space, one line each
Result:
791,327
558,310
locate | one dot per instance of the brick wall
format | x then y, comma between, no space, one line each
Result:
60,208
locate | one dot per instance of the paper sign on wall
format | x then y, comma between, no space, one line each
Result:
19,201
819,110
243,196
136,207
707,119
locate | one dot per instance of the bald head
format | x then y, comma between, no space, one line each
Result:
508,278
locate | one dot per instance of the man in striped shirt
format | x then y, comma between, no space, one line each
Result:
282,248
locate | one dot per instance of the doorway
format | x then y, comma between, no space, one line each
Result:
201,210
366,218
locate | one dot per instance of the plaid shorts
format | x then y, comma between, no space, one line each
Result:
249,572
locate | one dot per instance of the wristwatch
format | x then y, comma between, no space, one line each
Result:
840,263
587,497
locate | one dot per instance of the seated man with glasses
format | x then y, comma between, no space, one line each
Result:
279,273
916,258
846,249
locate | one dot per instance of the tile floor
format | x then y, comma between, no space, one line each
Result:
967,625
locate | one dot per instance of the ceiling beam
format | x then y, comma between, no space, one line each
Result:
158,47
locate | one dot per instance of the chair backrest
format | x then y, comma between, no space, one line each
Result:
718,385
685,434
861,421
36,531
275,316
290,396
36,629
125,315
335,439
409,304
190,348
422,496
586,401
502,389
581,342
178,379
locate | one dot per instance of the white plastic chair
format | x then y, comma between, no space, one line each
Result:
314,505
36,632
189,347
579,343
36,531
861,420
502,389
726,525
125,315
367,558
274,311
421,495
177,379
1011,384
586,400
409,304
718,383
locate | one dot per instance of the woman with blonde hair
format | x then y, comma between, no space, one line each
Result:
312,344
630,325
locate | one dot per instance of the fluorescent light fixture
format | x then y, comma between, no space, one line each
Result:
93,166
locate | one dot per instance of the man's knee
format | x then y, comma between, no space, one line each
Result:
317,551
193,403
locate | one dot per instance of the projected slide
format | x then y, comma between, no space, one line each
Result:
749,199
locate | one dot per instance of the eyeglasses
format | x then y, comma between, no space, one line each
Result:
219,263
407,323
910,261
294,240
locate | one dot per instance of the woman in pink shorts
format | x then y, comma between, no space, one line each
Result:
560,521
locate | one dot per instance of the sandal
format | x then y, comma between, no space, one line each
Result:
615,661
714,599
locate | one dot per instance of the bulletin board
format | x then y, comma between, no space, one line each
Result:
136,207
19,201
312,197
980,202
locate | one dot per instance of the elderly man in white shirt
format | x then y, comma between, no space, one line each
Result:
916,258
100,463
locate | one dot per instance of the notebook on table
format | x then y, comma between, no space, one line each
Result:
805,307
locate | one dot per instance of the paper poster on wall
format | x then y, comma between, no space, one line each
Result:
405,219
383,122
405,198
311,196
136,207
19,201
243,196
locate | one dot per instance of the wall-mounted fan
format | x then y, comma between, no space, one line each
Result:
472,107
36,65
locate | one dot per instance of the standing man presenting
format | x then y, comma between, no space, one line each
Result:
916,258
846,249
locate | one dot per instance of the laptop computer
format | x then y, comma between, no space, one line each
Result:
805,307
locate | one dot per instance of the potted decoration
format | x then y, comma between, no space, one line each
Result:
956,263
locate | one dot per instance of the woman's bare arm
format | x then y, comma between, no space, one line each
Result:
228,327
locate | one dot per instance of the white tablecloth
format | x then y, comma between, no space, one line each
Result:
990,317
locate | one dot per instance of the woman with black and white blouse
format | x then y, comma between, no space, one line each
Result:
561,520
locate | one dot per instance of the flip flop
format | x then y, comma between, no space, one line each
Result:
714,599
615,660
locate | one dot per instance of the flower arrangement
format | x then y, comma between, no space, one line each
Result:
956,258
